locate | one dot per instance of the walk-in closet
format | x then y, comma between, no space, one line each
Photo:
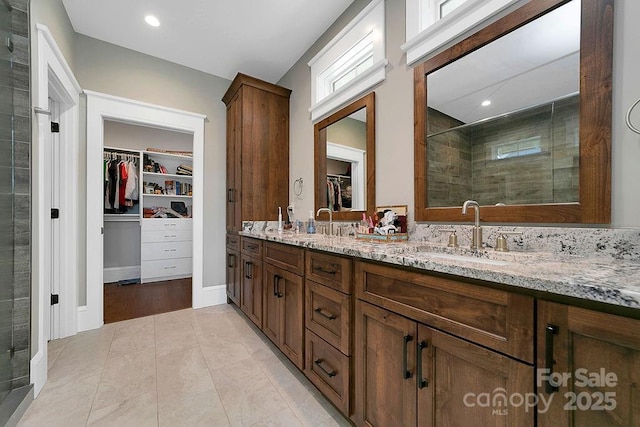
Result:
147,212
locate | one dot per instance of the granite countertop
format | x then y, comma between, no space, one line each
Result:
598,279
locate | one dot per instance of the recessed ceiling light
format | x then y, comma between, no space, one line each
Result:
486,103
152,20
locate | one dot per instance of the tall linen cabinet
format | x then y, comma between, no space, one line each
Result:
257,160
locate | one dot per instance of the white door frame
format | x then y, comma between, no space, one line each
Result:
55,80
101,107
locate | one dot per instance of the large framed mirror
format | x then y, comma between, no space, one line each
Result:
518,117
345,160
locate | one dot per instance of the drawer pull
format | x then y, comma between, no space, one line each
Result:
170,250
169,268
323,313
324,270
230,196
549,332
231,260
422,383
406,374
248,270
276,286
170,225
319,362
252,247
170,236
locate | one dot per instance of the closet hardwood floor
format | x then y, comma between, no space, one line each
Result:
133,301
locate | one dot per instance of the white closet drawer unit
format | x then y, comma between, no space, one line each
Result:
164,236
166,224
166,268
153,251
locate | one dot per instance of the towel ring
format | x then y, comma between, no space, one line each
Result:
297,187
628,117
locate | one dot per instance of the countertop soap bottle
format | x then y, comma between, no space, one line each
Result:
311,225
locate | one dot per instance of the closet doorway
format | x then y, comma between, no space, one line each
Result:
146,126
147,265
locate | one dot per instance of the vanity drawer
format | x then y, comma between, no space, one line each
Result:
329,270
252,247
328,369
497,319
287,257
157,236
151,251
328,314
233,242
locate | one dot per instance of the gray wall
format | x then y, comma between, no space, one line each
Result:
110,69
348,132
107,68
394,115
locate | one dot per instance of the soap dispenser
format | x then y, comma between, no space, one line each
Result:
311,224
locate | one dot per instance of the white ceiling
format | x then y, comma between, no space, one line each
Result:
262,38
533,65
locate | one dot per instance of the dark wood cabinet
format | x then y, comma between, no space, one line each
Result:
283,300
251,293
593,359
257,150
412,375
234,283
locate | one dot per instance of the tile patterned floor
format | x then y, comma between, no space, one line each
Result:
207,367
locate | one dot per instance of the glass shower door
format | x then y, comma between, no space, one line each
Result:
7,192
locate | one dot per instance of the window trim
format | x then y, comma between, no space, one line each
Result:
325,100
467,18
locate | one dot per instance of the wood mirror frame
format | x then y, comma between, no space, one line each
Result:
596,59
320,138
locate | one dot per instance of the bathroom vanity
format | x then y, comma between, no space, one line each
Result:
419,334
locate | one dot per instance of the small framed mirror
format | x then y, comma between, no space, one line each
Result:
345,160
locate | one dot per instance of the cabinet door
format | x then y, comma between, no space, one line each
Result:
291,291
234,177
233,277
462,384
599,356
384,368
251,295
271,303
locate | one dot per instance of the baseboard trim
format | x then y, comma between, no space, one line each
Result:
38,371
213,295
115,274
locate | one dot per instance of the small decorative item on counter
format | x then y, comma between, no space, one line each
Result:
388,227
311,224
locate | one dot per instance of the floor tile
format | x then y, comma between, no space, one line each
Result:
139,411
208,367
181,374
200,409
126,377
284,418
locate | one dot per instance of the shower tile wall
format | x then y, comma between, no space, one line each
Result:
462,164
15,198
449,180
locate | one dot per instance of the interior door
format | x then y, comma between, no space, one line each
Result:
53,172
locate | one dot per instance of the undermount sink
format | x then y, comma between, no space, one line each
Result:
467,258
485,256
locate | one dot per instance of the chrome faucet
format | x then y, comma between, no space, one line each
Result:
330,218
476,239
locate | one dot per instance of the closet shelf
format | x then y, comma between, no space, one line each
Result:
168,195
167,175
122,217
